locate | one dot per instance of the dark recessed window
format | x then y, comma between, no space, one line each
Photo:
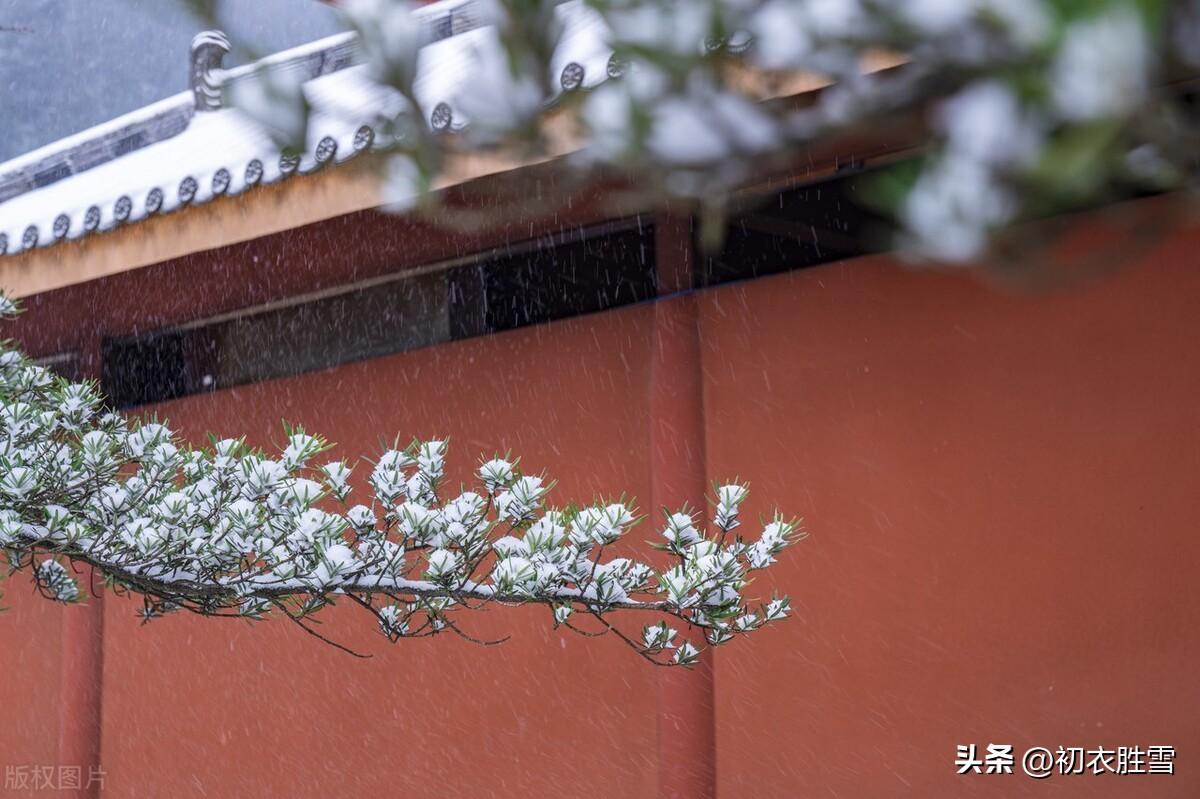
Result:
159,366
804,226
554,278
528,283
265,343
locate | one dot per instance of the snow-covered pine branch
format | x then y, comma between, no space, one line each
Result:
1030,107
231,531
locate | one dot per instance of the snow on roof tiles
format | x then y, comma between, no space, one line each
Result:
188,149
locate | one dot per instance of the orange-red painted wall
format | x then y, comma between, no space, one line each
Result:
1002,496
239,709
30,663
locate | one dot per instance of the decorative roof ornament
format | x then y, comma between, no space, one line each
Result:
208,51
254,172
122,208
187,189
220,181
442,117
289,162
91,219
154,200
572,76
616,66
326,150
62,224
363,137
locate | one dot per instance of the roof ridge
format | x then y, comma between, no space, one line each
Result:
193,148
164,119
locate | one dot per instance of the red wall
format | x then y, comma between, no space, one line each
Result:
1001,492
241,708
1002,495
30,662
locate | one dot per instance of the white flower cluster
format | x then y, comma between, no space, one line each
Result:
1034,103
229,530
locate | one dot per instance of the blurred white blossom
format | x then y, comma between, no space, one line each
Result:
1103,64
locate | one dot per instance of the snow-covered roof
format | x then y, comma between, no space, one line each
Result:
190,148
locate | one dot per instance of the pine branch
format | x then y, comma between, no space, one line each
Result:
226,530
